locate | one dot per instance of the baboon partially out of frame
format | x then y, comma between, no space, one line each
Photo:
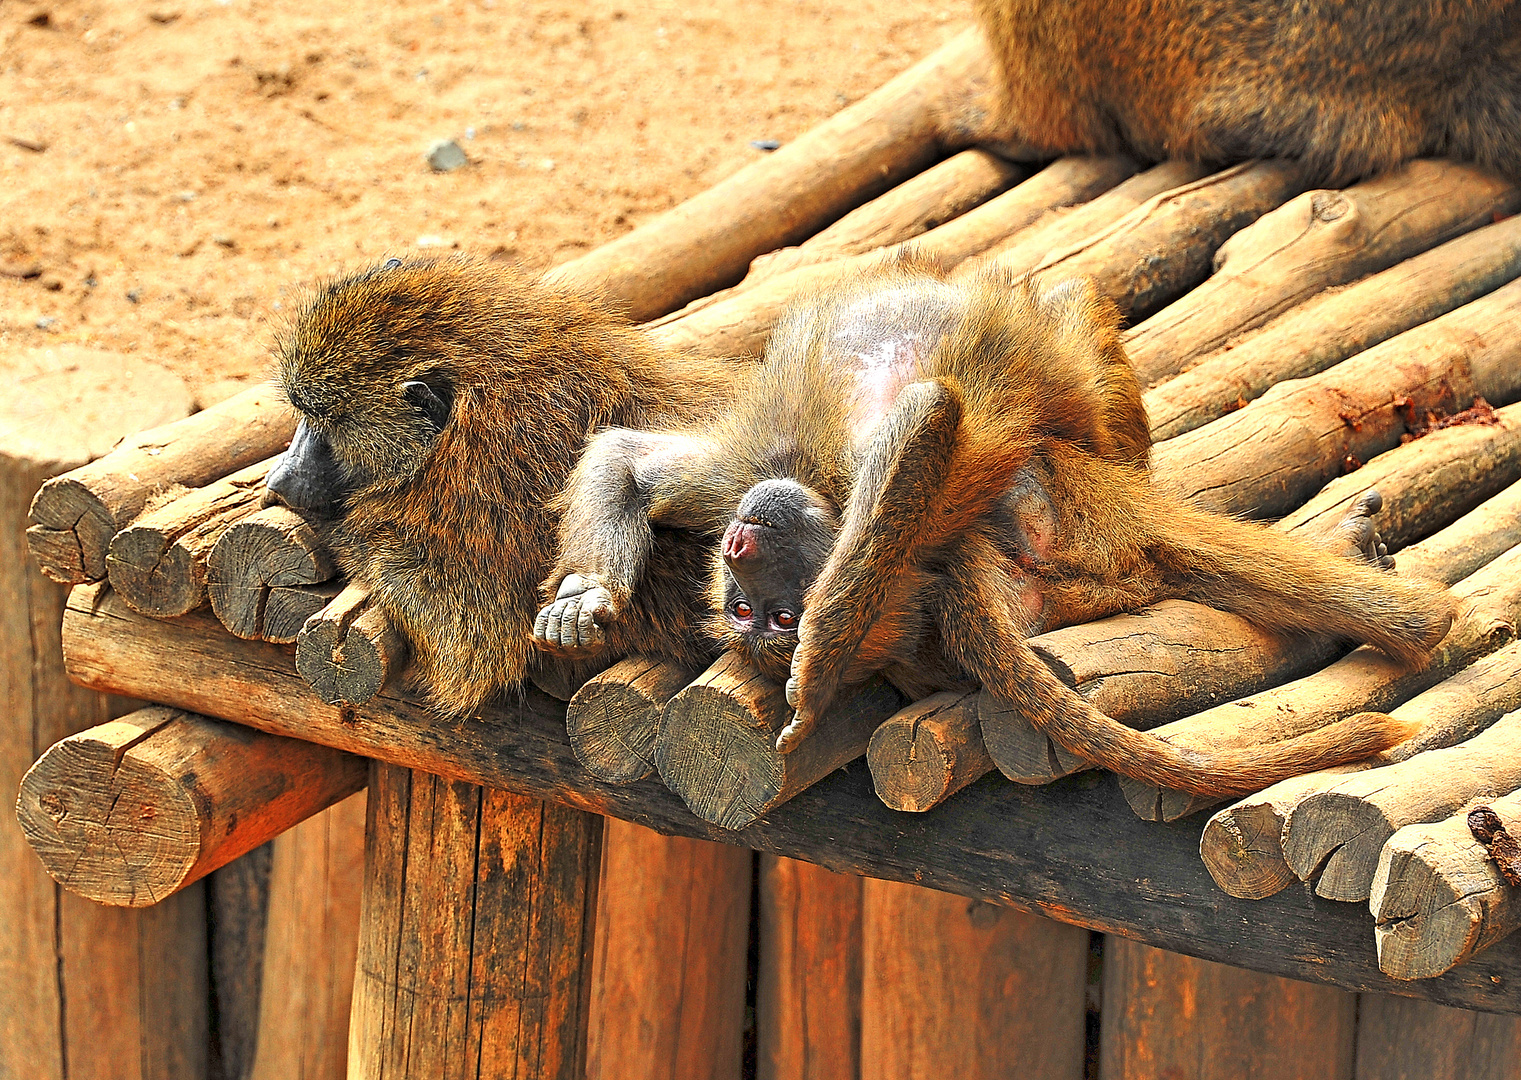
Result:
919,475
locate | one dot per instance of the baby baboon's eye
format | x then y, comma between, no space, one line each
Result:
784,619
743,609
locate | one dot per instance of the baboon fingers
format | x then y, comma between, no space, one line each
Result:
571,621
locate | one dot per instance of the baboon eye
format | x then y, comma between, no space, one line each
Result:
434,398
784,618
743,609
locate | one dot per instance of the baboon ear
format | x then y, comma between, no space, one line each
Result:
434,396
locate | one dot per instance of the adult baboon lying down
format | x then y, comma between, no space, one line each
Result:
919,475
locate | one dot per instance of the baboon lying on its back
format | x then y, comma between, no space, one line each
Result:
919,475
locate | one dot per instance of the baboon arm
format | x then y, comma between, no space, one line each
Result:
981,624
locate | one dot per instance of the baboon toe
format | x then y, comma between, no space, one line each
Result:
1357,535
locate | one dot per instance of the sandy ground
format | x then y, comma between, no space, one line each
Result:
173,173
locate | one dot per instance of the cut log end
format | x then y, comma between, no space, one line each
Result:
153,576
720,753
274,548
348,651
71,533
614,718
925,753
1242,849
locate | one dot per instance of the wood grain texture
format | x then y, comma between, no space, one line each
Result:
668,974
311,940
926,752
271,550
1401,1039
475,933
132,810
808,997
1072,850
1167,1015
348,651
237,912
955,987
612,720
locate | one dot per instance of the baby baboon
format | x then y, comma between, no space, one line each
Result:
1351,87
442,406
919,475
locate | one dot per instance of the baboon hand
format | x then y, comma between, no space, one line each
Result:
575,619
802,722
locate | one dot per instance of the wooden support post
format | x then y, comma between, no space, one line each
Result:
311,938
1242,844
922,755
349,650
1166,1014
1333,326
717,743
256,562
1403,1039
128,812
1271,456
612,720
808,997
475,933
955,987
668,978
87,990
237,908
1314,242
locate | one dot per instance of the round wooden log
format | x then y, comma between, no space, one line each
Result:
808,986
737,322
1242,845
1365,679
1333,837
669,968
75,516
921,203
1317,241
158,563
717,742
1163,248
1271,456
131,811
1438,898
708,241
348,651
288,608
475,937
274,548
922,755
1333,326
1060,229
560,676
1426,483
614,717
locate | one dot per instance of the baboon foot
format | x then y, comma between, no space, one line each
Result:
574,620
1356,536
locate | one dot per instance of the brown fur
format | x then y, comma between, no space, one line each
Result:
925,581
453,533
1351,87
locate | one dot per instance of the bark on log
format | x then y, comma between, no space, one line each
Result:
939,194
668,974
1427,482
1338,832
1437,898
1365,679
1242,844
1317,241
87,990
349,651
717,742
75,516
1403,1039
273,550
952,987
1168,1015
158,563
1271,456
311,940
944,103
808,986
1061,228
614,718
1335,325
129,812
922,755
1163,248
737,322
474,937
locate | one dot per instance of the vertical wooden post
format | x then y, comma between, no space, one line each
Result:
1406,1039
84,990
1170,1015
475,933
310,943
964,988
808,998
668,984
